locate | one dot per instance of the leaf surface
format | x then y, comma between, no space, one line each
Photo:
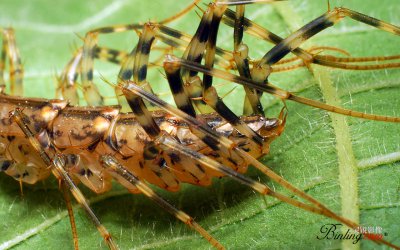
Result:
314,150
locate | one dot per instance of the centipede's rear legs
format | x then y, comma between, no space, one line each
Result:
10,50
57,165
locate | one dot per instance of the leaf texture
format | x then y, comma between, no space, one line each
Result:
313,152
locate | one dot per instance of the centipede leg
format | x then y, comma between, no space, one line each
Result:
204,38
209,93
67,81
109,162
256,30
67,86
252,103
319,24
91,92
57,164
9,48
280,93
137,62
71,216
216,141
136,65
187,85
210,97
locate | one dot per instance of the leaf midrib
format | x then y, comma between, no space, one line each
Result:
347,166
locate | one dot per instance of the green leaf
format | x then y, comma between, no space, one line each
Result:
314,150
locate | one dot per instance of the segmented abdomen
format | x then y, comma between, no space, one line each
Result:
83,134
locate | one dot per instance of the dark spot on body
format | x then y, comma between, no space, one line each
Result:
200,168
175,158
25,174
5,165
10,138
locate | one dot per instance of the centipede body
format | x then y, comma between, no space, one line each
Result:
297,156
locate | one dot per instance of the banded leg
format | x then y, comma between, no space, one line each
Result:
209,93
71,216
210,97
109,162
214,140
136,65
57,164
194,88
319,24
137,62
240,54
256,30
67,81
280,93
195,52
152,155
10,50
205,37
91,92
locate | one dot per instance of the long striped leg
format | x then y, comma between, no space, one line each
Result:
271,89
91,92
67,85
210,97
136,65
204,38
319,24
109,162
209,93
178,39
195,52
217,141
252,103
131,66
10,50
256,30
70,214
67,81
291,63
57,164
